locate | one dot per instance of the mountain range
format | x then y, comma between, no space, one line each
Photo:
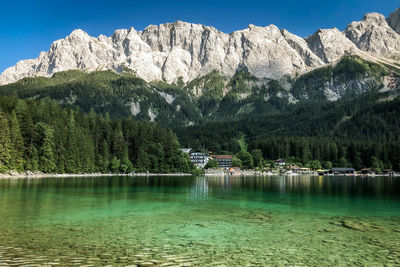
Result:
181,74
331,97
185,51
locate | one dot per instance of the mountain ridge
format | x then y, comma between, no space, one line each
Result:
185,51
211,97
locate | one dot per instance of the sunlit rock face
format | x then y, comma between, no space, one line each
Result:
374,35
170,51
182,50
330,45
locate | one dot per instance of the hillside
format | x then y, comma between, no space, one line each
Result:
40,135
348,132
212,97
332,96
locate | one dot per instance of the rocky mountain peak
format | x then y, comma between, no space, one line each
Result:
251,26
78,33
330,44
375,18
301,46
373,35
394,20
182,50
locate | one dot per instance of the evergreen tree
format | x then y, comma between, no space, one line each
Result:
40,135
17,144
375,164
5,144
306,154
126,166
358,161
258,157
119,146
45,143
115,165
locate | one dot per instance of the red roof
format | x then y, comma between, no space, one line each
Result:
224,157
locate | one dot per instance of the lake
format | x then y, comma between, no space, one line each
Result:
200,221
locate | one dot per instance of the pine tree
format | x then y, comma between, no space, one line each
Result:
5,143
115,165
358,161
72,157
52,139
306,154
143,163
24,116
45,144
17,144
120,148
104,160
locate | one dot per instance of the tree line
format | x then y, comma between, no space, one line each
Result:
43,136
317,152
355,132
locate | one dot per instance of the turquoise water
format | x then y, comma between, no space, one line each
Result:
200,221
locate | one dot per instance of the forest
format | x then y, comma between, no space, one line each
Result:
359,132
40,135
209,98
93,122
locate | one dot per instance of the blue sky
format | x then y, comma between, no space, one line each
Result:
29,27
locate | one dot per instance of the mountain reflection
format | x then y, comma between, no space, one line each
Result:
329,185
201,188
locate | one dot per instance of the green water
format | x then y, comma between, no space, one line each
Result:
200,221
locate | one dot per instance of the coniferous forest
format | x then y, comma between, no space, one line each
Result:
291,119
43,136
362,132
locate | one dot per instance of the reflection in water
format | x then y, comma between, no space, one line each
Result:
200,189
31,198
331,185
238,221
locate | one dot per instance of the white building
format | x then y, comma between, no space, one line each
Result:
199,158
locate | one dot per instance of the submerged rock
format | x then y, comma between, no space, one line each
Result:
352,225
359,226
258,218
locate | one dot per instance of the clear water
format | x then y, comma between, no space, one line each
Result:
200,221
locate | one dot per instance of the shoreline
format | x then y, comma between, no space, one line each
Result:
38,175
15,175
